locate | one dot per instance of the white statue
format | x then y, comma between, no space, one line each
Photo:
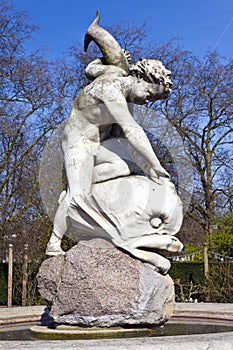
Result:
97,164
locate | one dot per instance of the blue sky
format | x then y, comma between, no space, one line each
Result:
201,24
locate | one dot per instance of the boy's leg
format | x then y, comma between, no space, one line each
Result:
110,164
60,226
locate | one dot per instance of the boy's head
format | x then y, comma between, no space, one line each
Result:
151,71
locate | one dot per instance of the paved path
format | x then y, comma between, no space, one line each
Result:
20,314
205,310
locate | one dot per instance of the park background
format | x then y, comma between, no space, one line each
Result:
42,70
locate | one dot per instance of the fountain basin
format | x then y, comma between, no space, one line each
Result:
192,324
29,331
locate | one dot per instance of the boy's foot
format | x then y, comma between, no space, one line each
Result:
54,249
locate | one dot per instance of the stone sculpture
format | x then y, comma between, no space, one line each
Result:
104,196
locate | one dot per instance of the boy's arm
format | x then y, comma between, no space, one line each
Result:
118,108
97,68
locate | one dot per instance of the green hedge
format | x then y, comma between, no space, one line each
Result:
190,282
3,283
187,272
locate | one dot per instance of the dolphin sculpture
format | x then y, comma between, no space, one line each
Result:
111,50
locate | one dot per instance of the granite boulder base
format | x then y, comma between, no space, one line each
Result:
96,284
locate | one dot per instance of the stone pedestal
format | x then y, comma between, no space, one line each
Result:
96,284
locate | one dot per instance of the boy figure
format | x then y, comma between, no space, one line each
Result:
101,113
99,110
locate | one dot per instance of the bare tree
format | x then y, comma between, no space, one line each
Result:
30,110
36,95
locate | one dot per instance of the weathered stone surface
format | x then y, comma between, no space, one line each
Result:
99,285
50,276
